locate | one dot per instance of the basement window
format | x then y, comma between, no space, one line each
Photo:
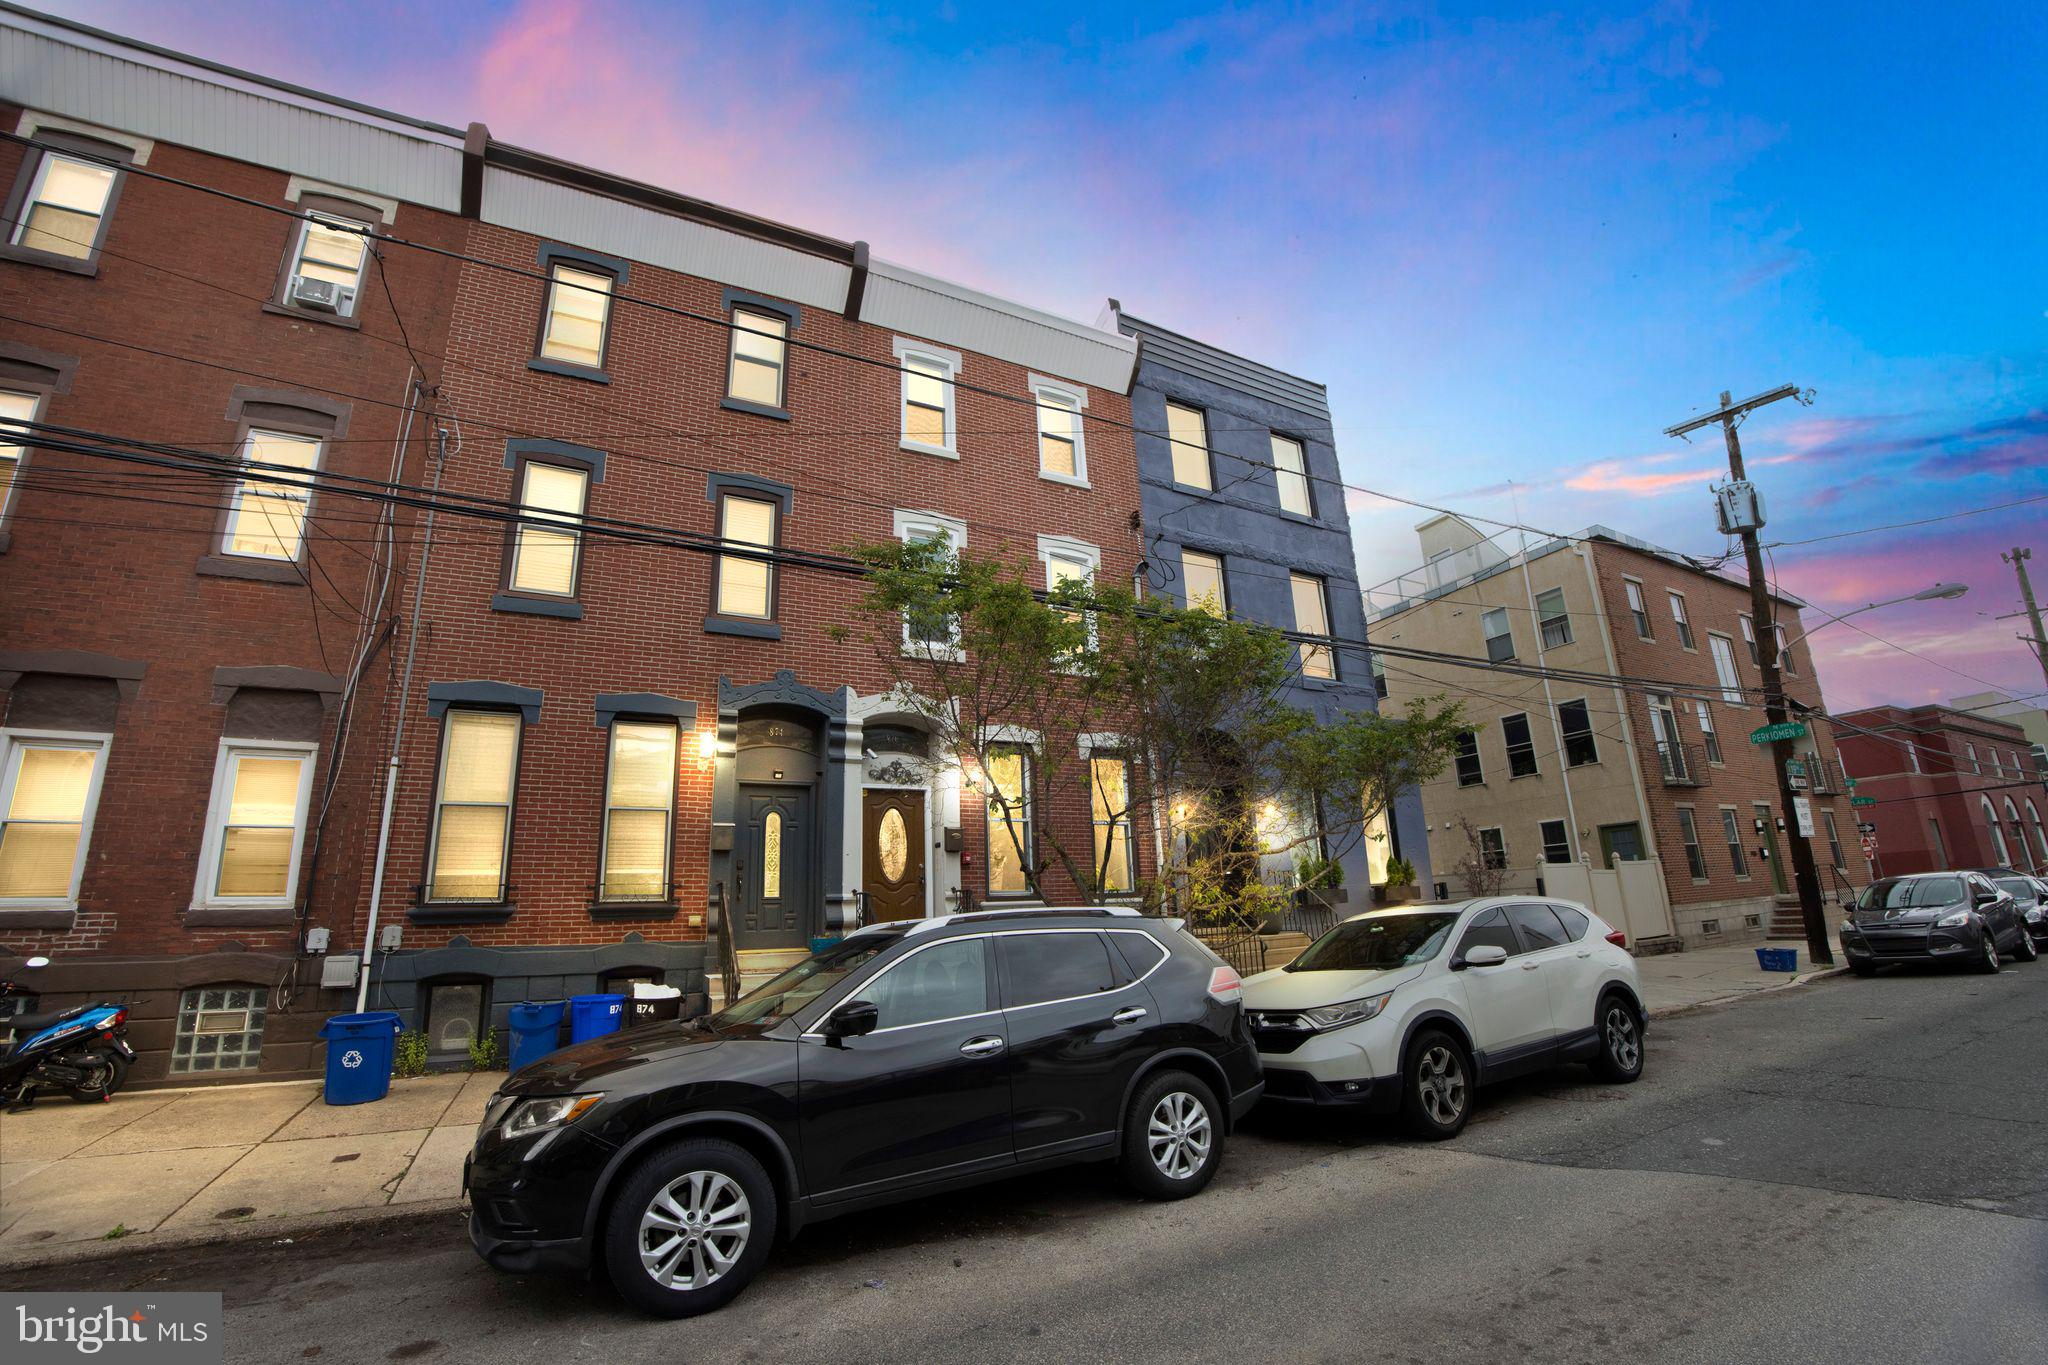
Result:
220,1028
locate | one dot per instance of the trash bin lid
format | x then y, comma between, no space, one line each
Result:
360,1025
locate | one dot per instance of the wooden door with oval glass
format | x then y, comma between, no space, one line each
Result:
772,867
892,867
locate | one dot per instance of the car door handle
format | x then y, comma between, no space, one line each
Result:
1128,1015
1530,966
1585,954
981,1047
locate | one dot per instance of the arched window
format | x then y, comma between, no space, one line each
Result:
454,1014
2040,836
2019,835
1999,855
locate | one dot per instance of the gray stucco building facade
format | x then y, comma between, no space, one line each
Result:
1263,529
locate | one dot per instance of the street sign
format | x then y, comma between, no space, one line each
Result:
1766,734
1802,810
1852,784
1862,800
1865,827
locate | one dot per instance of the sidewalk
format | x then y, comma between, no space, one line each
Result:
164,1165
1676,981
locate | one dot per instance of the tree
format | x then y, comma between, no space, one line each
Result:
1235,784
1480,870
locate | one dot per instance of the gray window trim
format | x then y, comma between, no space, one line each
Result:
505,696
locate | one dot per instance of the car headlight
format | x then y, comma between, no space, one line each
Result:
1350,1012
1954,921
534,1116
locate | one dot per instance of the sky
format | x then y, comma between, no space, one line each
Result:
1515,243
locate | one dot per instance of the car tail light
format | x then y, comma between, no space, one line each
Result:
1226,987
1617,938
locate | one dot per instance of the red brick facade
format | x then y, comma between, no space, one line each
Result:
1953,790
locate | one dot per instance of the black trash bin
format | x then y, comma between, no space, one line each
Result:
651,1004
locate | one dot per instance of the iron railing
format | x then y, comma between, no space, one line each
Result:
1680,764
728,950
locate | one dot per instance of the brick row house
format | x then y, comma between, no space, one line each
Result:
1648,775
609,712
1952,788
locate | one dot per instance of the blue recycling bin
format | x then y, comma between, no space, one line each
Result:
593,1016
536,1030
359,1056
1778,959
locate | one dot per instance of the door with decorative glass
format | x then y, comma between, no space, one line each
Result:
892,867
772,868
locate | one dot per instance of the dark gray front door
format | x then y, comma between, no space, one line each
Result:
772,867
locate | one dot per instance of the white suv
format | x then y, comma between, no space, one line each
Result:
1411,1009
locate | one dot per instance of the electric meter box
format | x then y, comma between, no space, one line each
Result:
1740,507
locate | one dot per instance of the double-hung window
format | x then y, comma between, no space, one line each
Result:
325,271
928,398
1724,669
49,790
1499,634
1521,746
1109,800
1062,447
1290,468
255,824
1689,835
1009,821
1970,752
1731,830
639,811
1827,818
576,321
15,406
1749,640
472,838
1710,738
929,629
1784,650
267,511
64,209
1575,719
1070,567
1557,845
1202,576
1636,610
1552,619
758,372
1493,848
1470,772
746,585
547,543
1312,617
1187,436
1681,620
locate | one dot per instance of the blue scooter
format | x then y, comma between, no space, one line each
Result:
80,1050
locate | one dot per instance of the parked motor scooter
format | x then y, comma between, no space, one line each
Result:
80,1050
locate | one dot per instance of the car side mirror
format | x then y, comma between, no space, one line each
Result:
1485,955
850,1020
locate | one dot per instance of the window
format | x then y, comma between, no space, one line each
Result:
1141,952
928,394
1187,433
1724,669
49,790
1553,620
944,981
547,544
328,249
1636,609
1008,803
1784,650
255,824
1970,752
1379,677
1689,835
454,1016
473,806
746,586
1710,738
1681,620
1940,848
1470,773
1070,565
267,513
1203,577
1062,449
639,805
576,321
220,1028
65,210
759,367
1493,848
1997,831
1731,829
1575,719
2019,833
14,407
1109,799
1913,755
1664,729
1290,466
1841,863
1489,930
1521,746
1499,634
1312,617
1038,968
1749,641
1539,926
931,631
2040,832
1574,921
1557,846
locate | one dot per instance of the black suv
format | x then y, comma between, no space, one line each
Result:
905,1059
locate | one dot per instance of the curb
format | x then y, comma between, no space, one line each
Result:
1805,979
275,1228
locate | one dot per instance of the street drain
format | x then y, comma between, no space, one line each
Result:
242,1212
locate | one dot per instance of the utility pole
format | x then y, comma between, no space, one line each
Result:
1805,875
2039,640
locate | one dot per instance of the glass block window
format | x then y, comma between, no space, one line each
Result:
220,1028
455,1011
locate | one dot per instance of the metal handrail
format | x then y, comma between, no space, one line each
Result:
1680,764
728,950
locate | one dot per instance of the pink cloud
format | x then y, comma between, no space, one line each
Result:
1615,476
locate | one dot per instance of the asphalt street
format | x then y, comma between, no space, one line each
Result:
1853,1170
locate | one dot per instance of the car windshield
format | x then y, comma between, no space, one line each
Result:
1374,944
776,1000
2022,890
1912,893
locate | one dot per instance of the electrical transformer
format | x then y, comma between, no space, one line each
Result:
1740,507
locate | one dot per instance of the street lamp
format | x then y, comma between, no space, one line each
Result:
1940,592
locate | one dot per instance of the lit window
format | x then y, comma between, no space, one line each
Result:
928,376
65,209
1070,565
577,317
760,358
473,806
328,250
1312,617
640,791
14,407
1575,719
1679,619
267,516
1008,804
1499,634
220,1028
1203,576
1187,432
1109,790
746,586
1634,590
1062,448
1553,620
547,545
255,824
1290,468
49,788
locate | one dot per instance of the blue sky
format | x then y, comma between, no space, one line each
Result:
1515,243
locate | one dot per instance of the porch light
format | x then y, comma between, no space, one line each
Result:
707,745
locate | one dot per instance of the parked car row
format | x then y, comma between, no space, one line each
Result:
1975,916
928,1055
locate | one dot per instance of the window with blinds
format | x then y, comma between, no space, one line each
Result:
547,546
47,793
473,806
255,825
576,322
267,511
639,811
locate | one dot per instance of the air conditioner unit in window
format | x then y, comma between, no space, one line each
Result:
324,295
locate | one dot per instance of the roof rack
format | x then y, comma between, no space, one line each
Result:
975,916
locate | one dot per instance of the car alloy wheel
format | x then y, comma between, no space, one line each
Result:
694,1230
1622,1043
1178,1135
1990,950
1440,1085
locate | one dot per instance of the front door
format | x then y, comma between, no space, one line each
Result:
772,867
892,865
1763,813
1621,843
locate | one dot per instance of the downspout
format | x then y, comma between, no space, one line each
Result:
1635,767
